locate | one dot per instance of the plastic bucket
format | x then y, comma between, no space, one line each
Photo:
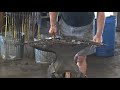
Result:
108,37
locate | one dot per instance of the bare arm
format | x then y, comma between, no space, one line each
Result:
100,27
53,20
100,23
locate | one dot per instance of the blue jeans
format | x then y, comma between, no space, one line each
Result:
84,32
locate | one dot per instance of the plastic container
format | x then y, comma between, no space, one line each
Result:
2,48
8,50
108,37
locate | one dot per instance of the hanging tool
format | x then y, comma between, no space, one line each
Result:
14,26
39,24
6,25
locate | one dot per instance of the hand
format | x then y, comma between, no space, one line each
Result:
97,39
53,30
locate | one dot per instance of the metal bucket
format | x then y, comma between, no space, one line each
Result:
43,56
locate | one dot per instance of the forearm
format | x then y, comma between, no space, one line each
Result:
53,18
100,23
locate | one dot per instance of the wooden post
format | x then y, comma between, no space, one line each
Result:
1,21
118,22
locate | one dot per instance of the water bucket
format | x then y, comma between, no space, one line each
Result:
108,37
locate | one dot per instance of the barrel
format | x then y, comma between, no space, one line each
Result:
108,37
